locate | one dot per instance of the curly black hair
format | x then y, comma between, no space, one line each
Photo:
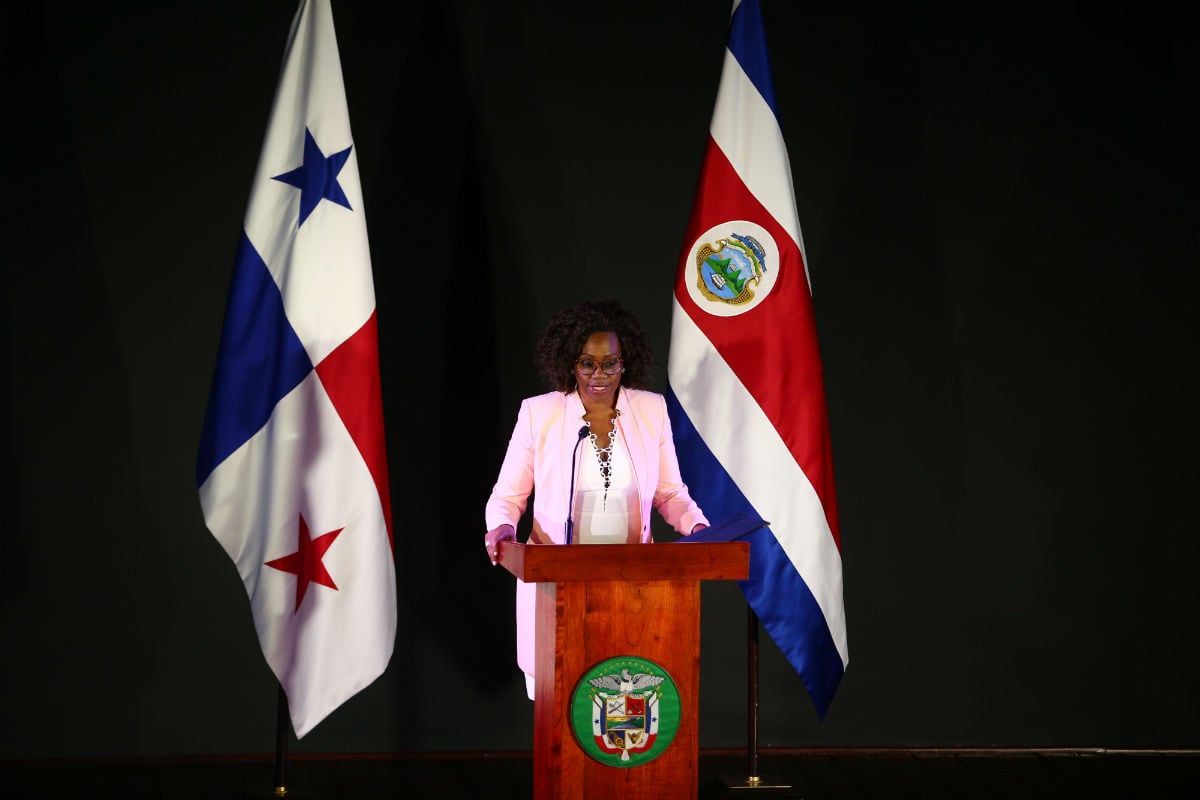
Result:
567,331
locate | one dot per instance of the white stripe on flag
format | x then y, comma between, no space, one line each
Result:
746,131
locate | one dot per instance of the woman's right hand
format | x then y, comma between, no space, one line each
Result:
493,538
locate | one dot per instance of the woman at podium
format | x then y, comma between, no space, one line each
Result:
597,449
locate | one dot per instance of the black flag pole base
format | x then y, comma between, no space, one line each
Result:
282,793
752,783
283,729
279,790
753,786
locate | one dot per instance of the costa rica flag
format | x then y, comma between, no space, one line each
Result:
745,384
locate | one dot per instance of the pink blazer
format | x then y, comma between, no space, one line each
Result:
539,455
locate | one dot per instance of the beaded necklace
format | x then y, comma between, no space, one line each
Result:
605,454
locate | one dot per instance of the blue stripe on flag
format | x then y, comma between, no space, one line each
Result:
260,360
746,38
775,590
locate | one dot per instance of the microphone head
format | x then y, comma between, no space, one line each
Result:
583,431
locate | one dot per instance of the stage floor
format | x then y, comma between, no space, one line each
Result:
833,774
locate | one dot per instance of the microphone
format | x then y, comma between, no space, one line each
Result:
569,525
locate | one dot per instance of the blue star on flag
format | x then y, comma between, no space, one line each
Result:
316,177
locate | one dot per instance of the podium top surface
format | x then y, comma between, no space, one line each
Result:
681,561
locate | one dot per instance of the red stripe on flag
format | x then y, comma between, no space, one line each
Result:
773,347
350,375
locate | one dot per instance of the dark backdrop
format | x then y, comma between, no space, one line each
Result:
1000,213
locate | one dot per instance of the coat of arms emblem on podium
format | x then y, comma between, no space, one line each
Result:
625,711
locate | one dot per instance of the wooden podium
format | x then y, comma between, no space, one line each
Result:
599,602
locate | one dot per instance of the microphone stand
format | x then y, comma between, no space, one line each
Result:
569,525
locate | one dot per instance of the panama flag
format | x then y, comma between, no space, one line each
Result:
292,468
746,392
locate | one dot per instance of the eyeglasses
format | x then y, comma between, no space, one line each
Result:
587,366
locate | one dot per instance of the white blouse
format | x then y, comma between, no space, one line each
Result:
612,514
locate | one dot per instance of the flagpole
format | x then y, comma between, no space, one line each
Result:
752,775
282,722
283,732
753,784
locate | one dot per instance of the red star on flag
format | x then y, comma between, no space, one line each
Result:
306,562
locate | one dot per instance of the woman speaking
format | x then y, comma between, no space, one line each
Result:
596,451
